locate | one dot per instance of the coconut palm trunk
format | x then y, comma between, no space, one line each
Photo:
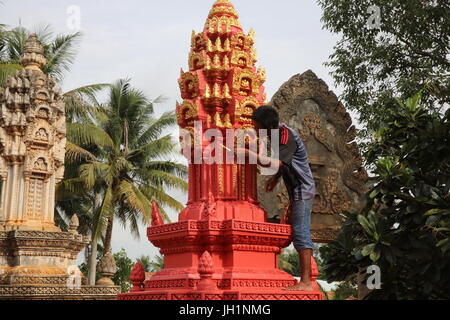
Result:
93,263
108,235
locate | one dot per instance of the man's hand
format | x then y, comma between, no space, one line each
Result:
272,183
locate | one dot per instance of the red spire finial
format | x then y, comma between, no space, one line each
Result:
205,269
156,215
137,277
205,265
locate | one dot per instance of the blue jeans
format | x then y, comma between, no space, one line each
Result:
301,224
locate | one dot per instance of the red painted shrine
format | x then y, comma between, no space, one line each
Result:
222,247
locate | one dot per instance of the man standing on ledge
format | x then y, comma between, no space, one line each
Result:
294,167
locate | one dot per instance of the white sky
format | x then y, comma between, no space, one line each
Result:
149,41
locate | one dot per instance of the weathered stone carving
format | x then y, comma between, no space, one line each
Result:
306,104
107,268
37,260
31,146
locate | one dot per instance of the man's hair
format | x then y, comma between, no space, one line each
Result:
267,117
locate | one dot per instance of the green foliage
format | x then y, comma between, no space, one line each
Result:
146,263
150,265
157,264
288,261
117,159
405,226
409,52
345,290
60,50
124,266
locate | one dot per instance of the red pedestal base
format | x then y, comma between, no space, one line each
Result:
243,264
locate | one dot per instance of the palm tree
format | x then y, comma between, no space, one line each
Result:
157,264
121,157
60,50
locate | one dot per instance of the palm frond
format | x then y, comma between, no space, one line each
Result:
14,42
155,129
171,167
75,153
133,198
161,197
61,54
96,172
161,178
8,69
88,135
88,92
70,188
159,148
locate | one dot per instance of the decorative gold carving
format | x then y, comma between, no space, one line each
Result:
196,61
234,179
247,107
251,35
240,41
245,83
216,91
198,43
189,85
228,123
186,113
218,120
262,74
221,180
240,59
223,7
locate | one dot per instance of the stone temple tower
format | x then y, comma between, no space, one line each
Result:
32,142
37,260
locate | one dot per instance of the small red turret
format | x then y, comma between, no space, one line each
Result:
137,277
156,215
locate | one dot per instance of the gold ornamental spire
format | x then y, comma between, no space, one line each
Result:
222,17
222,7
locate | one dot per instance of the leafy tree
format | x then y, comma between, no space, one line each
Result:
346,289
124,266
405,227
409,51
288,261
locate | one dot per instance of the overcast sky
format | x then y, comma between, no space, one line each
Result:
149,42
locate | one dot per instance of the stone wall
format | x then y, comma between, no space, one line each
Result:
307,105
